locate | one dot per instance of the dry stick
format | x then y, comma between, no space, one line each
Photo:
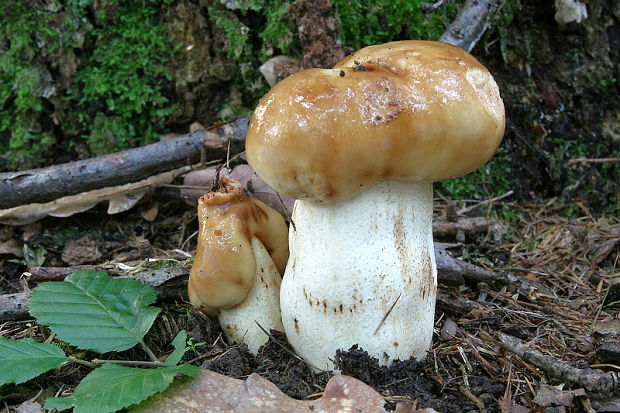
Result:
592,160
605,383
465,210
467,393
470,24
386,315
53,182
429,7
282,346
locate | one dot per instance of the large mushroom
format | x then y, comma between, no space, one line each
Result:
359,146
242,250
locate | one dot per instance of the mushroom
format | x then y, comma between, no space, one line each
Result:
242,250
359,146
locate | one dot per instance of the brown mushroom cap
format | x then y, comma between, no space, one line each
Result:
224,268
408,110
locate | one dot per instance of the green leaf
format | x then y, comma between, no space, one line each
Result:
180,348
113,387
21,360
91,310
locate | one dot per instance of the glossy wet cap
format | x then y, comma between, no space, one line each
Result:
408,110
224,268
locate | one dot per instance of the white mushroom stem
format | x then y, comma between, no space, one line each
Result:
261,305
362,272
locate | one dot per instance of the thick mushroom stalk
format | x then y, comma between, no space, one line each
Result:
359,146
242,250
362,272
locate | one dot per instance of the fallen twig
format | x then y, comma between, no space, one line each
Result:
470,24
592,160
53,182
73,204
460,228
592,380
430,7
465,210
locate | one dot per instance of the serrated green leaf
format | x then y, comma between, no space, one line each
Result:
180,347
112,387
93,311
21,360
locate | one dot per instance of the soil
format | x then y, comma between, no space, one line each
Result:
571,262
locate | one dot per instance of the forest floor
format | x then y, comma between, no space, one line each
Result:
526,346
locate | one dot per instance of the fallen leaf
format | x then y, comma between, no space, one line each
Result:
448,331
83,250
73,204
195,127
213,392
124,203
555,396
508,406
151,212
29,407
12,247
606,337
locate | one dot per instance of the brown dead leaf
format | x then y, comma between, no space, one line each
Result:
448,331
508,406
151,212
12,247
124,202
213,392
555,396
606,337
195,127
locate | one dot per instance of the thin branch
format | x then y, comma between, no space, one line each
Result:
592,160
465,210
385,316
283,347
99,362
606,383
430,7
470,24
53,182
149,352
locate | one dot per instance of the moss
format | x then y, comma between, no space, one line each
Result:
27,34
593,185
253,31
112,97
366,22
493,179
121,100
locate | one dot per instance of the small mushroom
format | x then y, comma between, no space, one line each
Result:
359,146
241,254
